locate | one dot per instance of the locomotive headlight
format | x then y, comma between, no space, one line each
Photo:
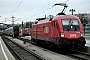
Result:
81,33
62,34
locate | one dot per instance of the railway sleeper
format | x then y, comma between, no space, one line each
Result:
24,40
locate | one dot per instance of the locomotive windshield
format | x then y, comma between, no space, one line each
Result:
70,24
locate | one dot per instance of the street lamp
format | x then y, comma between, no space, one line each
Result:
72,10
84,24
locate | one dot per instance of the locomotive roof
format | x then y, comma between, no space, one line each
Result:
56,17
66,17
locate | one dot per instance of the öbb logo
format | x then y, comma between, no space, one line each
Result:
46,30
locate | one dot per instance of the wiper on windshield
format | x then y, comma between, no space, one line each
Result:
75,27
71,27
68,27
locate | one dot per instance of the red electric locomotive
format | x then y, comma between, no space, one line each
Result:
26,31
61,31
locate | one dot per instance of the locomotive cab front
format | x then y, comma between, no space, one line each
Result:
71,31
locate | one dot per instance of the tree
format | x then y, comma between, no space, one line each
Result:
28,24
89,20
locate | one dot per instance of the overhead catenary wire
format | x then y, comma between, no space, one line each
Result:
40,12
16,7
46,6
43,10
13,8
37,10
43,7
40,9
11,11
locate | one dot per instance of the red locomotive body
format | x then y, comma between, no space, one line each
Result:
61,30
26,31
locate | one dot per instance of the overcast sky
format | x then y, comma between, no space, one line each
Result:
29,10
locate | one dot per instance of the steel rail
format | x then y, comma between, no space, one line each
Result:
29,51
16,55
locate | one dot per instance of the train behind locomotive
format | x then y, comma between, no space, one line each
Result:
12,31
61,30
17,31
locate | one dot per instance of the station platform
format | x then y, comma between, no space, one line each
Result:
4,52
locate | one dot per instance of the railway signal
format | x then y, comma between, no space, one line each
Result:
22,24
84,23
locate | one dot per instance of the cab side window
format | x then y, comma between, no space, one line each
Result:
55,25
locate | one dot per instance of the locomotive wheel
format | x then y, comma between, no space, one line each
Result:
52,46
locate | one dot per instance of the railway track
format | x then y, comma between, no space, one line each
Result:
20,52
82,55
78,55
73,53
